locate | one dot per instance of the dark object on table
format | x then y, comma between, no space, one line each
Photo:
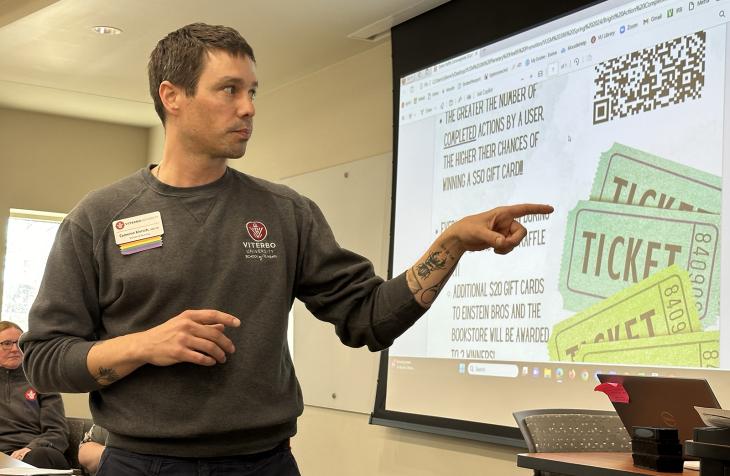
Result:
669,464
712,446
651,433
657,448
712,434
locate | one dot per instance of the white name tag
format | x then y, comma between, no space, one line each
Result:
137,228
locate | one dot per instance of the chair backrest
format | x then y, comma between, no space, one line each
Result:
571,429
77,427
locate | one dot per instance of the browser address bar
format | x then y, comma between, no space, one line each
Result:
591,24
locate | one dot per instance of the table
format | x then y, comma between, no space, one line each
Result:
589,464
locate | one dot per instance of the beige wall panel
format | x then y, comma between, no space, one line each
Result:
337,443
335,116
76,404
156,141
355,198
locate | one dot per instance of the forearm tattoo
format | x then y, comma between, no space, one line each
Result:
106,376
429,295
438,260
433,262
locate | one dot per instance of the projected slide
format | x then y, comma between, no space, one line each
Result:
618,121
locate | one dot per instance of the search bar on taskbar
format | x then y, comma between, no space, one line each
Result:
492,370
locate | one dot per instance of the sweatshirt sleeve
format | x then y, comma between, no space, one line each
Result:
54,431
340,287
63,317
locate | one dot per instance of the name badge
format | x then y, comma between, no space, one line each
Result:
139,233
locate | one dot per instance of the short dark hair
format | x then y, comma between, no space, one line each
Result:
180,56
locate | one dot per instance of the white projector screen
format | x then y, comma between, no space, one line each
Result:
615,115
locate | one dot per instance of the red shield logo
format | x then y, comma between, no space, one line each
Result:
30,395
256,230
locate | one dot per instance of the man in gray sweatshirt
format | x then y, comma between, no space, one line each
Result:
166,294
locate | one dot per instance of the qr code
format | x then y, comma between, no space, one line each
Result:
668,73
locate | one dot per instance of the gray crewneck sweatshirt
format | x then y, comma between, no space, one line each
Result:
239,245
29,419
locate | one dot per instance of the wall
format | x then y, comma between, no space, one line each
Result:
50,162
155,142
332,442
339,114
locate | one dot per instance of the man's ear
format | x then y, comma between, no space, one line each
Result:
171,97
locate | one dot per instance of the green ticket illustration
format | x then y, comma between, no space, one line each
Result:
633,177
696,349
609,247
660,305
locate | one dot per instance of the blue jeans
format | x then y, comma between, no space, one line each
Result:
276,462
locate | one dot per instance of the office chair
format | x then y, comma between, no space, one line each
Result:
77,428
571,430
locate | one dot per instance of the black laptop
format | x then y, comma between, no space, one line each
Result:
662,402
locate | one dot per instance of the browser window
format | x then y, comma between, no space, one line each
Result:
616,116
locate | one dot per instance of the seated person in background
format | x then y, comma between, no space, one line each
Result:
91,448
32,425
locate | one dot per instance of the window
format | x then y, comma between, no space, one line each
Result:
30,235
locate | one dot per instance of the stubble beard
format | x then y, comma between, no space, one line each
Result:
228,151
235,150
239,152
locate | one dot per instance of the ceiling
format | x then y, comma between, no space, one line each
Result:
51,60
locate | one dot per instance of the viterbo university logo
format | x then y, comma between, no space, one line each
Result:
258,249
256,230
